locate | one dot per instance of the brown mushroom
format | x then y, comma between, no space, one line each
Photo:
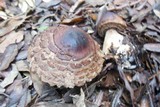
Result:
108,24
65,56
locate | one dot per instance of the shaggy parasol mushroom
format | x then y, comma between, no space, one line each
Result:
65,56
108,24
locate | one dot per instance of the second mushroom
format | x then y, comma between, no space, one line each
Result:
108,25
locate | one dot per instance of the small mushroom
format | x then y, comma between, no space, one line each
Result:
65,56
108,24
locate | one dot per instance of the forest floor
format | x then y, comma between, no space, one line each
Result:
135,83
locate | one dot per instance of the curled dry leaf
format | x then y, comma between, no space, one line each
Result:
10,24
12,37
10,76
8,56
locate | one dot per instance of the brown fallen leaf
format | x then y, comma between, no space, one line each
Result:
12,37
76,19
8,56
10,24
110,79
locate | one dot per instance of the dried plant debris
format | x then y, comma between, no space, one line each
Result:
130,74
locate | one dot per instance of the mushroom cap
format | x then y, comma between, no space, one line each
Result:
65,56
109,20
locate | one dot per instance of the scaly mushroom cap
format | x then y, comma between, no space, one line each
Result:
65,56
110,20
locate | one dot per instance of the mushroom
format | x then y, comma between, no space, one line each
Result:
65,56
108,24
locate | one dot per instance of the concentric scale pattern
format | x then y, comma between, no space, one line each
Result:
65,56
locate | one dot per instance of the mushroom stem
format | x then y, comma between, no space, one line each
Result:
112,38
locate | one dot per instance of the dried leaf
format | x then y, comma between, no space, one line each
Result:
145,102
127,85
95,2
8,56
99,98
139,27
154,47
31,3
12,37
76,5
16,92
25,99
22,55
46,1
10,77
110,79
156,10
3,15
22,65
23,5
79,101
140,77
10,24
53,104
116,101
76,19
50,3
2,4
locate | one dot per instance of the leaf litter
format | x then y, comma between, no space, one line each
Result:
22,20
